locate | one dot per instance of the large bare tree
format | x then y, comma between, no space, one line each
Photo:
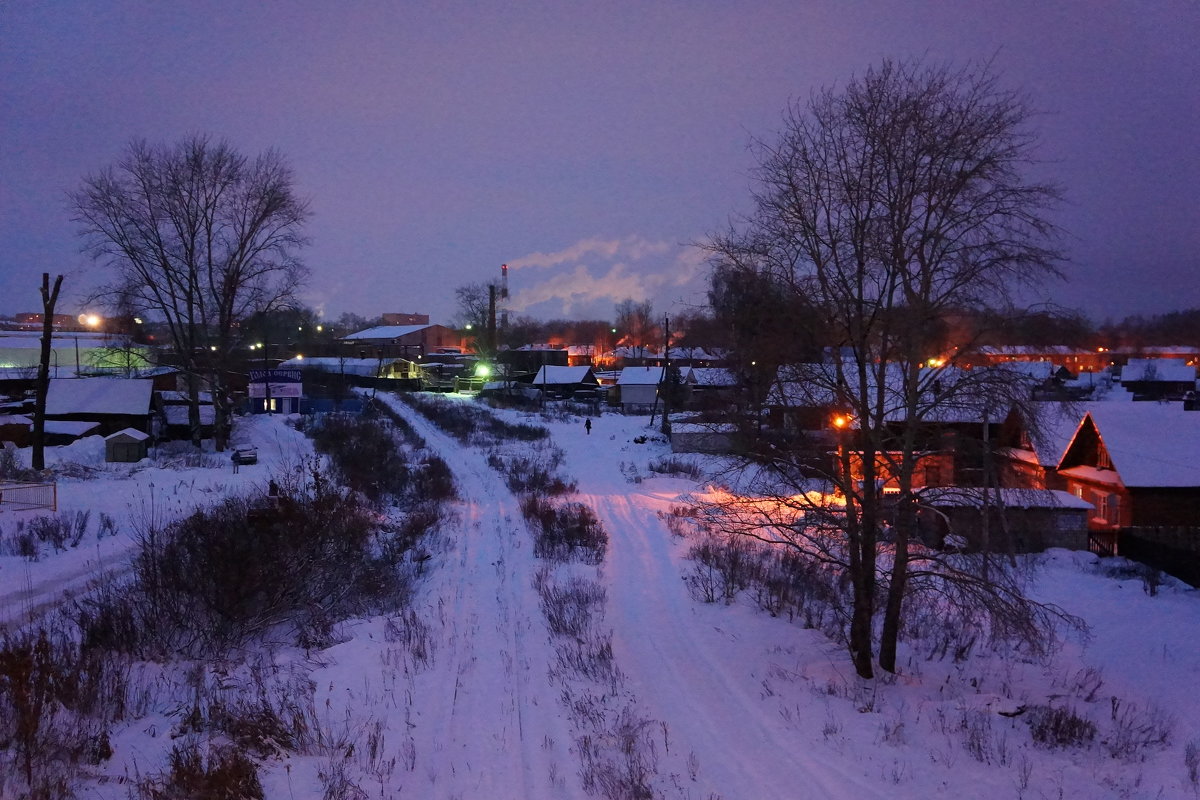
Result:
883,209
199,237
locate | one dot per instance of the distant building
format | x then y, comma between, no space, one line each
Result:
412,342
404,319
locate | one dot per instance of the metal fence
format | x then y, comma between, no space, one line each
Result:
21,495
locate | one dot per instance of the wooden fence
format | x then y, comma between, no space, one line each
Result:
1174,550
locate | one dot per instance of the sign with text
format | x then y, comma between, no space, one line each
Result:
289,375
275,383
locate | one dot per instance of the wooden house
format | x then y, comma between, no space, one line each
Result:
1158,378
1138,464
110,403
565,382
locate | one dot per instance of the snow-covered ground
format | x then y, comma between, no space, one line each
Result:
732,702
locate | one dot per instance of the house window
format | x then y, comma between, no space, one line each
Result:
1102,459
274,404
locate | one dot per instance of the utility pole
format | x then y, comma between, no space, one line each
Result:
666,376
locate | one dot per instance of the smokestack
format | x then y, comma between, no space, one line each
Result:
504,295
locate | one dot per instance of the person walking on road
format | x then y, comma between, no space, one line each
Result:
587,426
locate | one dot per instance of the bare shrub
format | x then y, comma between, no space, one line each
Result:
620,763
217,772
469,423
730,557
10,465
1191,760
532,474
572,608
408,629
565,532
676,466
363,452
1135,729
222,575
57,702
1054,728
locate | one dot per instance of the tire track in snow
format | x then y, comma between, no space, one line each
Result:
690,677
491,723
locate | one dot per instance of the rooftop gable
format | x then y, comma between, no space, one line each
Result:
1148,444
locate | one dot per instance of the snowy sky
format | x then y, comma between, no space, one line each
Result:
583,144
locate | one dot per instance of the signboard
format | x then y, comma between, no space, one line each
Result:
280,382
287,375
259,390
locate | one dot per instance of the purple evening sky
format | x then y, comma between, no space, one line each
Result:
583,143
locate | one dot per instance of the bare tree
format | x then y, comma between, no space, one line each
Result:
636,324
883,209
49,300
199,237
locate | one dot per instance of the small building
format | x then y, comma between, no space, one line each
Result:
111,403
412,342
1158,378
1018,520
275,391
565,382
126,446
638,387
703,437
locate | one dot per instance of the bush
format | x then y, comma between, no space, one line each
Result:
676,466
65,530
221,773
57,701
1059,727
224,574
533,474
567,532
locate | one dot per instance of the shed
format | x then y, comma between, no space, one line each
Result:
639,387
127,446
1020,520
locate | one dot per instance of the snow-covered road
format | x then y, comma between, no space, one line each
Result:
487,722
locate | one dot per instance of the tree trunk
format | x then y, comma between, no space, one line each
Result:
49,299
890,635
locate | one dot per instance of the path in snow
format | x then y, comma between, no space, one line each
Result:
486,715
692,675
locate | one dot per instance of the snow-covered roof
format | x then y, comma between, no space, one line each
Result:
15,419
1150,444
640,376
1160,370
132,433
67,427
348,366
970,497
1038,370
386,332
99,396
556,375
711,376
